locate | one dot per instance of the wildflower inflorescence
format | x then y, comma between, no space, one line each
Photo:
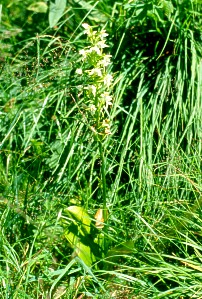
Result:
98,81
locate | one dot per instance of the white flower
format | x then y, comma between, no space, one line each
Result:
79,71
106,126
103,34
105,61
101,44
107,99
83,53
93,33
87,27
92,108
96,72
91,89
95,49
107,80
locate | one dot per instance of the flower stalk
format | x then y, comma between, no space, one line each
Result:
96,94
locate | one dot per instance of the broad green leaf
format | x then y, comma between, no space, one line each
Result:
39,7
78,235
81,249
56,11
81,217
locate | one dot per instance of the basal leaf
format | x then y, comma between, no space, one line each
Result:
81,247
38,7
81,218
79,235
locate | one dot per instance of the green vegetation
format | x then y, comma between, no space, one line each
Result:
100,149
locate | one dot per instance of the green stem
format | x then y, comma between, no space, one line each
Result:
103,179
103,172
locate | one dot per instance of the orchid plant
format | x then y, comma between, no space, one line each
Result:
94,91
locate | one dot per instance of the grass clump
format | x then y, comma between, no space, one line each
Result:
100,179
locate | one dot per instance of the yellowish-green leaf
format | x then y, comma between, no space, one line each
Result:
80,217
78,235
83,251
39,7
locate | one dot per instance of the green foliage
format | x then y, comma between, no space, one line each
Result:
88,240
38,7
78,234
50,163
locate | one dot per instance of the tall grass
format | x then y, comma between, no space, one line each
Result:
49,159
